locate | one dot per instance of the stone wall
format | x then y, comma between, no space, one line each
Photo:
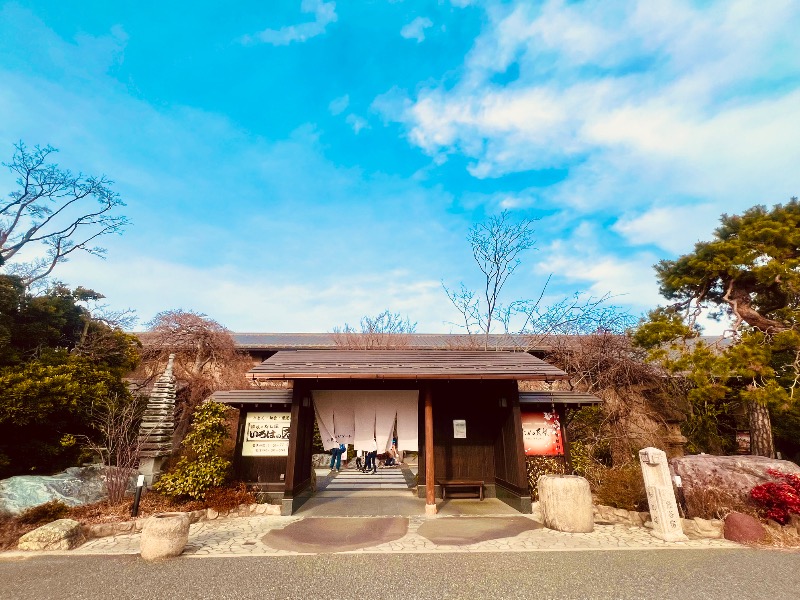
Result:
98,530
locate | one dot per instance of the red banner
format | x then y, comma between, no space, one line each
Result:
541,434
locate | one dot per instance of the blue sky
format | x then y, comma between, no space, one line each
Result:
295,165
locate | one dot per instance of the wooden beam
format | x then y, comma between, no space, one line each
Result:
430,479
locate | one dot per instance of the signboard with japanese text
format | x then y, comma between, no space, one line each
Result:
460,429
541,434
266,434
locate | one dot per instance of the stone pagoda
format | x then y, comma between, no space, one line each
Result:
158,426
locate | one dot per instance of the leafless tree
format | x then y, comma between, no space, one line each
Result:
385,331
53,211
206,359
117,420
496,247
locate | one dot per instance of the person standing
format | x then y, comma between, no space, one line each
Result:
334,455
372,456
342,452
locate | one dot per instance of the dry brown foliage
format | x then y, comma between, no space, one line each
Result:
640,403
228,498
620,486
713,501
206,359
387,331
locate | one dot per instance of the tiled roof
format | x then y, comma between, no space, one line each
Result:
413,341
274,396
405,364
558,397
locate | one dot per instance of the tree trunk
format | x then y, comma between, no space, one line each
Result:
761,443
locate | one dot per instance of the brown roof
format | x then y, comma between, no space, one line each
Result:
405,364
558,397
277,396
415,341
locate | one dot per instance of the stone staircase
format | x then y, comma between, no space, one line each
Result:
352,480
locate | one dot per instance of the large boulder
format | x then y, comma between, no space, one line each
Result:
732,475
743,528
566,503
64,534
75,486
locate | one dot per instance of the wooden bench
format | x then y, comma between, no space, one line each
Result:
460,483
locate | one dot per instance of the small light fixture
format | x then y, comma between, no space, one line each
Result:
306,401
503,402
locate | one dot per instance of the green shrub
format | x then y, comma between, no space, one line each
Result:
202,468
44,513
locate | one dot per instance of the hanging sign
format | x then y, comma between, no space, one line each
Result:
742,442
266,434
460,429
541,434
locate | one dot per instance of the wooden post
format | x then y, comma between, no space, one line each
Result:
430,479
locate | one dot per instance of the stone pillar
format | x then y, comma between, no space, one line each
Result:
661,496
158,426
566,503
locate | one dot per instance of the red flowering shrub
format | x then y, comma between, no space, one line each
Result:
778,500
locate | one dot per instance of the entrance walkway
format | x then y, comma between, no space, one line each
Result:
351,493
281,536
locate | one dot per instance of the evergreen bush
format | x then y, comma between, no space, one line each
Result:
201,468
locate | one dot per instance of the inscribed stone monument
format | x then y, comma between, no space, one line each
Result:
661,496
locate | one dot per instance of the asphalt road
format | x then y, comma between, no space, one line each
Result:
660,574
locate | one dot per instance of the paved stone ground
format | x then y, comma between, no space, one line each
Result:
243,537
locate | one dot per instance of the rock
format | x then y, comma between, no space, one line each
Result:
703,528
64,534
123,527
138,524
73,487
794,521
318,461
536,511
611,515
566,503
732,475
102,530
743,528
197,515
164,535
260,509
211,514
273,510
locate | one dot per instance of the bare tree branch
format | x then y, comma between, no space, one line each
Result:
49,212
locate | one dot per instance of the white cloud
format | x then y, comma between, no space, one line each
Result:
676,228
415,30
357,123
339,105
646,105
324,15
243,300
